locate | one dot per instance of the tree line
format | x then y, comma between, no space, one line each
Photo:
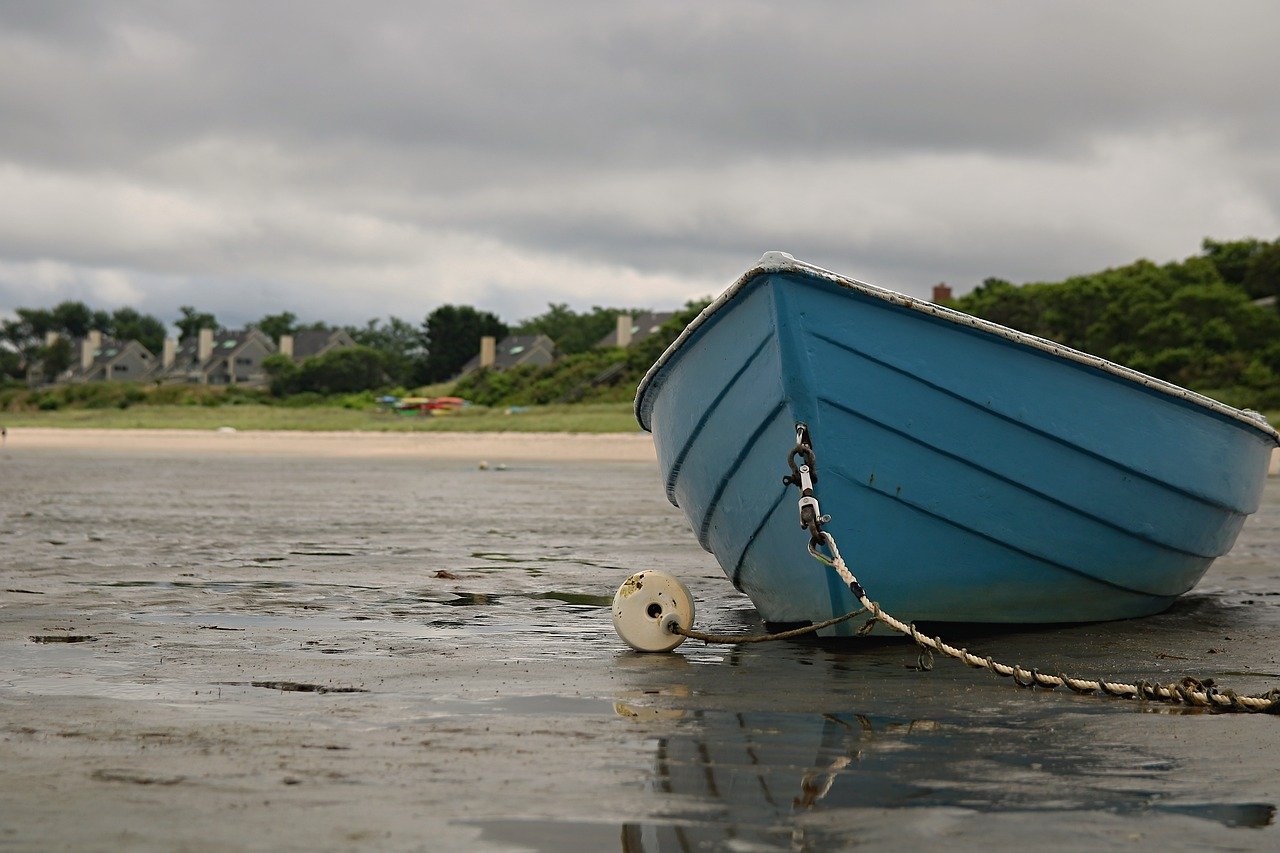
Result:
390,352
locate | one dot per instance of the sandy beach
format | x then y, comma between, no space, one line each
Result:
493,447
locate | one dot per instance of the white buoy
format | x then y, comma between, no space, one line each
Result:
646,606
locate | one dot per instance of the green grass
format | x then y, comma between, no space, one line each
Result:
581,417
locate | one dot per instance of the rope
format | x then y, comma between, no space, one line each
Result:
1188,691
742,639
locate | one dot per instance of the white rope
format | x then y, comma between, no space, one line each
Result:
1189,691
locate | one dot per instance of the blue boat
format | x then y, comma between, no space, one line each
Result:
972,473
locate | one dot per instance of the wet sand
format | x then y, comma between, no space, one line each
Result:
202,649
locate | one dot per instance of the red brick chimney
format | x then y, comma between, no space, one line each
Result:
941,292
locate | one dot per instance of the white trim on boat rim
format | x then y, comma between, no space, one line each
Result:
772,262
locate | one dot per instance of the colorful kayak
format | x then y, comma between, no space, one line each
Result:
972,473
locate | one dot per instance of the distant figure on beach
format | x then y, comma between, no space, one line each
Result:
4,436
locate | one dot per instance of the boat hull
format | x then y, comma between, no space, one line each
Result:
972,474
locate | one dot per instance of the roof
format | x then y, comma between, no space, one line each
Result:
312,342
642,326
515,350
224,342
108,351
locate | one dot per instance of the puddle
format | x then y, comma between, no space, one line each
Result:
758,772
558,836
136,777
296,687
471,599
545,704
226,585
576,598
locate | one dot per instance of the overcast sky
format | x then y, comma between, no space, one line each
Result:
353,160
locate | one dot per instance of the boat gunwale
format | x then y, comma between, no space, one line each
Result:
781,262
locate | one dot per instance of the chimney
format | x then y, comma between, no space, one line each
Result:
286,345
488,350
89,347
169,353
624,330
941,292
50,338
204,345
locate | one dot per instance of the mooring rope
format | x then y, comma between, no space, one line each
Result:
1188,691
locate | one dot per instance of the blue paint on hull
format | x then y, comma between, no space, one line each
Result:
970,476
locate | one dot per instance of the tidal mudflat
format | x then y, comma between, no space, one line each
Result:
203,649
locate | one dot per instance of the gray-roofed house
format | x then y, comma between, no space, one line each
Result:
219,358
633,329
512,351
99,359
310,343
104,359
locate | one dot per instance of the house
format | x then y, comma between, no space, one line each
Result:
512,351
310,343
633,329
217,358
98,359
104,359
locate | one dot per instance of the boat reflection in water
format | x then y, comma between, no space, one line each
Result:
751,780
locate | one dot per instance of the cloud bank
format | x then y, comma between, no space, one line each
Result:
347,161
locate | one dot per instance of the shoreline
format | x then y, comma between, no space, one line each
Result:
488,446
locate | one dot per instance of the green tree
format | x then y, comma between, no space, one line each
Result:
453,335
127,324
10,363
25,333
76,319
342,371
275,326
1262,275
1231,258
192,321
402,344
282,374
56,357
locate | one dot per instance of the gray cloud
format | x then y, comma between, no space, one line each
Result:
345,161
